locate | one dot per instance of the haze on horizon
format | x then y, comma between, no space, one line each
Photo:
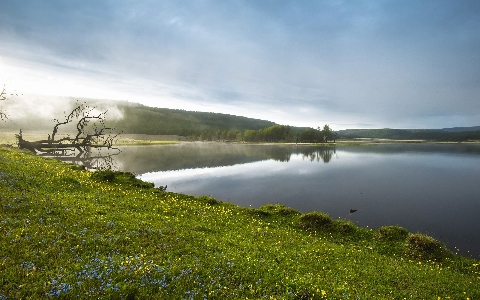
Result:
351,64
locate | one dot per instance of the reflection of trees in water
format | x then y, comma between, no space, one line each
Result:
324,154
279,154
88,160
313,154
143,159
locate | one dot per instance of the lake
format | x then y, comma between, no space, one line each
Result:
428,188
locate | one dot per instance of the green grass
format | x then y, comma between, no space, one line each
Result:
68,233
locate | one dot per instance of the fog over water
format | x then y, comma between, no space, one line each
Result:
426,188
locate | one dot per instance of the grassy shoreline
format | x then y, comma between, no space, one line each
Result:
8,138
66,232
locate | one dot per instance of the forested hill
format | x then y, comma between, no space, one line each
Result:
142,119
35,113
461,129
445,134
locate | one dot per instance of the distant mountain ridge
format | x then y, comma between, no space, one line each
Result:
444,134
461,129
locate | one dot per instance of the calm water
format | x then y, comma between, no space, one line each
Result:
432,189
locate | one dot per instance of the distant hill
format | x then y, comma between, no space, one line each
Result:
462,129
141,119
445,134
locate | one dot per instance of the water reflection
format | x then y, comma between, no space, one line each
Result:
143,159
426,188
319,154
97,160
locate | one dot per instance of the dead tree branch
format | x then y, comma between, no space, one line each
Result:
3,96
92,132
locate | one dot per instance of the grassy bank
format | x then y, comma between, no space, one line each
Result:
132,142
67,233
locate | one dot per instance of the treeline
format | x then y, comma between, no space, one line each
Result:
281,133
271,134
319,135
278,133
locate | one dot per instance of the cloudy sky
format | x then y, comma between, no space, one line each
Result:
351,64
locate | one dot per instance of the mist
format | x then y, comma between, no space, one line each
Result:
37,112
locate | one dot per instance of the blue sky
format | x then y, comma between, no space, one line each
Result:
351,64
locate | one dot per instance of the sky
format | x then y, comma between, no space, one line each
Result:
350,64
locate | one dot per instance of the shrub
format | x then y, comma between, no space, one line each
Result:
314,220
344,226
422,246
279,209
258,212
392,233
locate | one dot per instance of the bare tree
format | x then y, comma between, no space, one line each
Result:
3,97
91,133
